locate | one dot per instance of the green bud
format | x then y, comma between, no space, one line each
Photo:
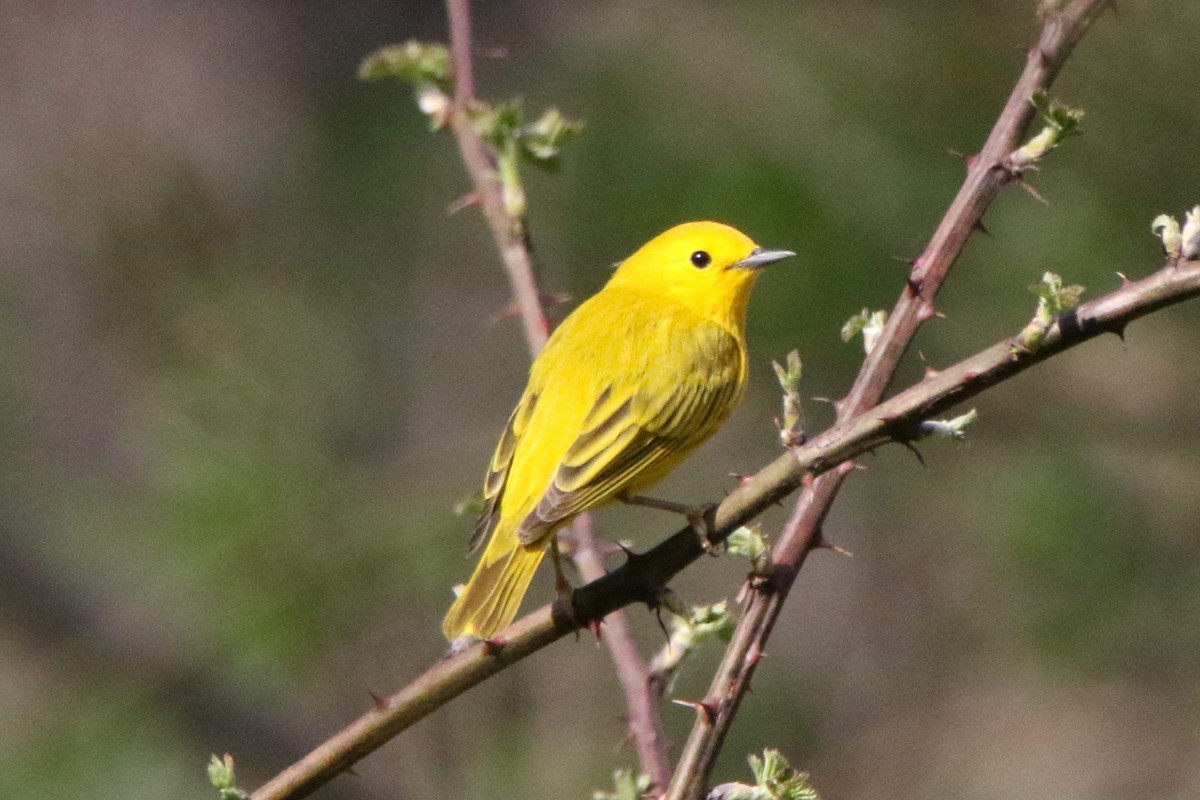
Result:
1053,300
220,775
749,542
414,62
1166,228
774,780
791,427
626,787
543,140
869,323
1060,122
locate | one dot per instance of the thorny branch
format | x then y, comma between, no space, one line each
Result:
987,173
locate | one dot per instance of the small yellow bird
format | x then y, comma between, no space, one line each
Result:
632,381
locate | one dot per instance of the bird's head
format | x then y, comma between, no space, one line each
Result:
707,266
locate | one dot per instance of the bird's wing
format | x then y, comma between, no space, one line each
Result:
632,437
493,485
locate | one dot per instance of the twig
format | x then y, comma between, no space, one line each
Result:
645,721
513,241
638,579
511,233
988,173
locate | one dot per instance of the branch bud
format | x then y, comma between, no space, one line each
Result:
869,323
1060,122
1166,228
791,428
774,780
1053,299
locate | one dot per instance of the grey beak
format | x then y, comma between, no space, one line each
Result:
761,258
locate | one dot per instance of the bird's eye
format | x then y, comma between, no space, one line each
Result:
701,259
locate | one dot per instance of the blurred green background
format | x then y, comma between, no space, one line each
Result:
248,364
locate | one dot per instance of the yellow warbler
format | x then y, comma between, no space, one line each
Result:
630,383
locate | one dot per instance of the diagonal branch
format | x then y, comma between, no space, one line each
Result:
988,173
639,579
513,241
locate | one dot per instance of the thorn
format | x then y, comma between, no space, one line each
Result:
846,467
662,626
494,645
742,480
825,544
755,654
378,701
856,466
1034,193
703,710
930,372
808,480
1120,332
466,201
1124,280
594,627
926,312
547,299
911,262
979,226
909,446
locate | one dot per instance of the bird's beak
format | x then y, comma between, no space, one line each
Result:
760,258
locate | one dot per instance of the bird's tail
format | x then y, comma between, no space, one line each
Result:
491,598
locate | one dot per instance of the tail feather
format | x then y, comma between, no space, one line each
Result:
492,596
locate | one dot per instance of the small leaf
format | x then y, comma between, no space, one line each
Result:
543,140
220,775
1166,228
1060,122
415,62
774,780
869,323
626,786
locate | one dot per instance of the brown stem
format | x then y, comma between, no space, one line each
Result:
638,579
645,721
510,232
514,243
987,174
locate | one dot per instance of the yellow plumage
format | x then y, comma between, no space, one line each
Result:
630,383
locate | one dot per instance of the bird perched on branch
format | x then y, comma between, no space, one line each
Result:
628,385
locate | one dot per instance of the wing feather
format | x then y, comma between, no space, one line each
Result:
497,477
631,440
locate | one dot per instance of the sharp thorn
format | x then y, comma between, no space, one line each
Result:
703,710
466,201
909,446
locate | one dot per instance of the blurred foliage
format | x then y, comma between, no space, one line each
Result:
248,364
